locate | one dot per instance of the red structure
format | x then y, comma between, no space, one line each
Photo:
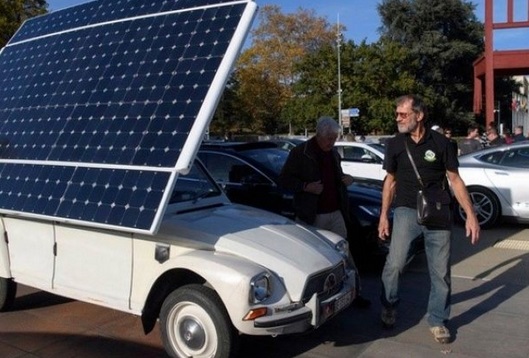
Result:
497,63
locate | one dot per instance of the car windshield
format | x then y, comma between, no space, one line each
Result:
377,146
194,186
271,158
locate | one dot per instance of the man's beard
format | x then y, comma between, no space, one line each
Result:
409,127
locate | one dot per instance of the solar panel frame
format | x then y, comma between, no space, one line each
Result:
93,130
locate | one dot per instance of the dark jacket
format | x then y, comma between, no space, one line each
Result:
302,167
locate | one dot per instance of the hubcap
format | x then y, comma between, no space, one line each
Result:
192,333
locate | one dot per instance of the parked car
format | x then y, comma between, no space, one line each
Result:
496,179
249,172
362,159
213,270
287,143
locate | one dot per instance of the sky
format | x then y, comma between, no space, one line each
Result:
361,18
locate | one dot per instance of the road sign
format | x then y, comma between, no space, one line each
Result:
345,118
354,112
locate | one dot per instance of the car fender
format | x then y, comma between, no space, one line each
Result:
228,275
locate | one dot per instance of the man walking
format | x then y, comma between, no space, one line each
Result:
436,160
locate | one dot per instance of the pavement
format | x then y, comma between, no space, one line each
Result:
490,316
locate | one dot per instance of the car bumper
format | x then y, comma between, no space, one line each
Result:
312,315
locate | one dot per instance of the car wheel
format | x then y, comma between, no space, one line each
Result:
486,205
8,291
194,323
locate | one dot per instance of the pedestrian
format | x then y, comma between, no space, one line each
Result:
314,173
494,138
485,142
436,162
507,136
518,134
448,135
471,142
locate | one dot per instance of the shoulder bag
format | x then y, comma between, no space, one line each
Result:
433,203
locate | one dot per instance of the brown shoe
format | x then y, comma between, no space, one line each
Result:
441,334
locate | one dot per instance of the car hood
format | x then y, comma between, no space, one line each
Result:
290,250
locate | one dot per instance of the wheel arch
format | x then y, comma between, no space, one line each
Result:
496,201
227,275
164,285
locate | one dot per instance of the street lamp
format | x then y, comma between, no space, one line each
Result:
338,46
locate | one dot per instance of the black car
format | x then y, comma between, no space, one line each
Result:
249,172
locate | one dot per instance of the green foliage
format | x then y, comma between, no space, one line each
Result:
445,38
266,70
288,77
14,12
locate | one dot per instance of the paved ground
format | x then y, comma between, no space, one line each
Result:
490,316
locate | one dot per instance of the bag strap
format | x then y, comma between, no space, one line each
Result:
413,163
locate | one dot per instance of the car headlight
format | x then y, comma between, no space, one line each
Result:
343,248
260,288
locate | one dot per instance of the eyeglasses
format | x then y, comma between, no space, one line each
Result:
449,133
403,115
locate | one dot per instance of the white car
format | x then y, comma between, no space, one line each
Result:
496,179
103,107
362,159
214,269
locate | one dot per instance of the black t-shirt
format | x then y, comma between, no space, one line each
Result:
432,158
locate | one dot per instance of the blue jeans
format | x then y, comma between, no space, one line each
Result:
437,247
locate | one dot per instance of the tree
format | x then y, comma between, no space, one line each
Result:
266,70
372,76
445,38
14,12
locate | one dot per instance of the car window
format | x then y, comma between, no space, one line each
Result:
516,158
378,147
193,186
271,158
492,158
228,169
358,154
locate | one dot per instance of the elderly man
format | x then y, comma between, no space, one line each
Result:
314,173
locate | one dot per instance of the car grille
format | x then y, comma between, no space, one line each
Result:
325,284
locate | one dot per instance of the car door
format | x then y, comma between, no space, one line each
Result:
31,251
94,265
510,179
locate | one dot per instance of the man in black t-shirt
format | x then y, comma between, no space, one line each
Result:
436,160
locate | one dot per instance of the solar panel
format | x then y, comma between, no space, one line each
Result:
102,105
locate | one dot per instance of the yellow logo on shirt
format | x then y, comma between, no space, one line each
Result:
429,156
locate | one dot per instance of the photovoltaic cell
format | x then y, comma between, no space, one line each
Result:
103,104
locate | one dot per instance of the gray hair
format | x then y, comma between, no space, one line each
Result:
417,104
326,126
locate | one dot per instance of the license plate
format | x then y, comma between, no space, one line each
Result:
343,302
331,308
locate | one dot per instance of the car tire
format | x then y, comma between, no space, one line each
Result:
486,205
8,291
194,323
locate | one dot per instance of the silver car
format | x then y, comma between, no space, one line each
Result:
497,180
